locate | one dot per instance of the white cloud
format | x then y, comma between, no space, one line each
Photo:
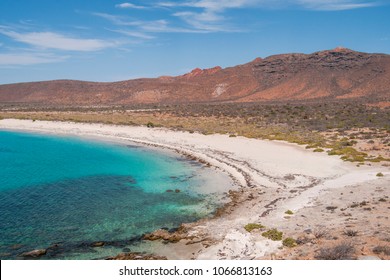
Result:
119,20
131,33
206,21
208,15
141,27
210,18
15,59
335,5
221,5
212,4
129,6
51,40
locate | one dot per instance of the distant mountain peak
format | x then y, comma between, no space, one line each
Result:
342,49
199,72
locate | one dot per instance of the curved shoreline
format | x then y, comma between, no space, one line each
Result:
273,177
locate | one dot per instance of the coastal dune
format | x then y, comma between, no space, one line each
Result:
270,177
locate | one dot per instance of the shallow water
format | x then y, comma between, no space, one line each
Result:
70,193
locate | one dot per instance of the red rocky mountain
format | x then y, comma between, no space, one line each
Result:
333,74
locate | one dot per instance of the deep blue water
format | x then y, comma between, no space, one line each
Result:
70,192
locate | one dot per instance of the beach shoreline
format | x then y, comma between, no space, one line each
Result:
271,178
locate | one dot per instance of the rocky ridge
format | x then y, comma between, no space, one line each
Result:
332,74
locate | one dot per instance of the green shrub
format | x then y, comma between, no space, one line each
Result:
273,234
252,226
289,242
289,212
318,150
347,153
380,174
150,124
311,146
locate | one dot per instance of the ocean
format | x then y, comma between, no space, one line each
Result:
65,194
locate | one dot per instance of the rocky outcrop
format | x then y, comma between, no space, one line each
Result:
98,244
136,256
34,253
175,236
199,72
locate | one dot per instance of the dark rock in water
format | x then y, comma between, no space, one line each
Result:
34,253
98,244
171,230
169,236
169,191
136,256
54,246
177,190
125,250
131,181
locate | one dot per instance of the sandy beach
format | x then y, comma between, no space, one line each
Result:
270,177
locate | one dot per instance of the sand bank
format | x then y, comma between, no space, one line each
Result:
273,177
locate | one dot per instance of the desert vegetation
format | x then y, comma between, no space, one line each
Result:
289,242
354,132
252,226
342,251
273,234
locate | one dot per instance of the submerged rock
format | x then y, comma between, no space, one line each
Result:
166,235
98,244
34,253
136,256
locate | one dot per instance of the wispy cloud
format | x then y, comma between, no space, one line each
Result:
335,5
129,6
119,20
22,59
206,21
51,40
207,15
221,5
131,33
143,28
210,16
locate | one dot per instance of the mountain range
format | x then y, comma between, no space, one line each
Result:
338,74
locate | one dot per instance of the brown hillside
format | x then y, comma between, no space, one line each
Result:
334,74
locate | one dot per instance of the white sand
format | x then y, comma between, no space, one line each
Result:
260,167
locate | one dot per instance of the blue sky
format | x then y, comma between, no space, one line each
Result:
110,40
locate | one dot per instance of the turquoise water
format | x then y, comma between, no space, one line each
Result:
66,193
